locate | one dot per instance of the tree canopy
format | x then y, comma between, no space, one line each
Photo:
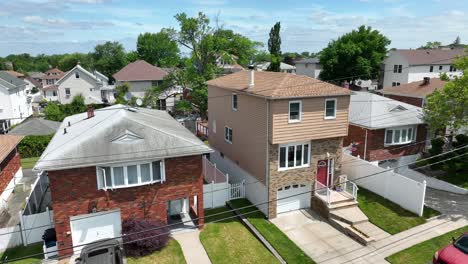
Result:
274,46
158,49
108,58
358,53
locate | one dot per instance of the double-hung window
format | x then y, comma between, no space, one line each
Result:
228,134
431,68
234,102
295,108
67,92
400,135
122,176
330,108
293,155
397,68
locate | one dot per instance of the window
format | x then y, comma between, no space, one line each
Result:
234,102
431,69
67,92
440,67
397,68
401,135
228,134
452,68
293,155
77,75
295,108
130,175
54,93
330,108
395,84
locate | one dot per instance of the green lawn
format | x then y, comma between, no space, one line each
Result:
423,252
390,216
19,252
28,163
290,252
229,241
171,254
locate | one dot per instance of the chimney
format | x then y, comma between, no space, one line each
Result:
251,76
426,81
90,111
345,85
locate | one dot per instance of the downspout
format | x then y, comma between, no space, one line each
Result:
267,161
365,145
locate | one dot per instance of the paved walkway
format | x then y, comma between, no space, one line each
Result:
447,203
193,249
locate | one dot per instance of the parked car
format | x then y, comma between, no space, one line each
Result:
456,253
106,251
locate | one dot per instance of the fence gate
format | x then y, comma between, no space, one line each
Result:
237,190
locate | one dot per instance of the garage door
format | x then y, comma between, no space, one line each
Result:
92,227
300,198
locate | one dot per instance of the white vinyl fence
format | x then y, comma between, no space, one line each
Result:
38,196
399,189
217,191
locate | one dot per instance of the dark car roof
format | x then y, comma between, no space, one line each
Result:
103,243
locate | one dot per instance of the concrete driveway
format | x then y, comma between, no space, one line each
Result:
314,236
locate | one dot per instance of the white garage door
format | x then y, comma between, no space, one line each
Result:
91,227
300,198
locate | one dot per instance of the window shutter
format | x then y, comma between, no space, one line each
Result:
100,178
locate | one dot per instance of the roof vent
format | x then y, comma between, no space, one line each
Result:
426,81
64,130
251,75
90,111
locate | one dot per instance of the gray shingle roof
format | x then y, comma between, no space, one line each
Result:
35,126
376,112
117,135
308,60
10,81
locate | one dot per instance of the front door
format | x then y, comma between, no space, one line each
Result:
322,171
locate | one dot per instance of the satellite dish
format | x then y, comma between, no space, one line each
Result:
139,102
128,96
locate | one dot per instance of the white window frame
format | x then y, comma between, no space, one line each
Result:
68,94
226,134
400,129
303,165
300,111
234,108
102,185
334,114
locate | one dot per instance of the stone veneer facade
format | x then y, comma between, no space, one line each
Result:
319,149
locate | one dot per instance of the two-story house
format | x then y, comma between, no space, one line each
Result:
283,132
116,163
51,77
14,103
310,67
407,66
91,85
383,130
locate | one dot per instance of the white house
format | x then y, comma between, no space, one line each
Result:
406,66
14,104
92,86
310,67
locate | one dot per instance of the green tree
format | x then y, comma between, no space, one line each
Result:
457,41
120,93
158,48
431,45
132,56
53,112
68,61
358,53
274,46
234,46
448,107
108,58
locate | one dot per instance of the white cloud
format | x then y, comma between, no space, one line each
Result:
65,24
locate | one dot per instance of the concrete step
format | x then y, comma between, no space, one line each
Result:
336,206
351,231
372,231
350,215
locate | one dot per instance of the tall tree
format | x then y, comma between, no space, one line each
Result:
448,107
358,53
158,49
108,58
431,45
457,41
274,46
68,61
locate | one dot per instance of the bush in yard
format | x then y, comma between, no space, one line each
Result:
54,112
437,145
149,241
33,146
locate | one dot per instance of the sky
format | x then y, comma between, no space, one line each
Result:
65,26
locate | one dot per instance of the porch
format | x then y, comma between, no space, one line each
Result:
343,191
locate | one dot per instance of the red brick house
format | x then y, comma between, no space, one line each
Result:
115,163
414,93
10,165
384,130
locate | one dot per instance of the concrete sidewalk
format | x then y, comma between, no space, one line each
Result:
194,252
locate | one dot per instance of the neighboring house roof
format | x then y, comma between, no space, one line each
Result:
35,126
50,88
283,66
278,85
34,81
50,74
14,73
96,76
308,61
430,56
140,70
117,134
7,144
418,89
36,75
10,81
375,112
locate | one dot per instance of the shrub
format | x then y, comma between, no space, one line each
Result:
54,112
437,145
33,146
148,241
34,90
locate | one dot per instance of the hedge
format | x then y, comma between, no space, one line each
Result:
33,146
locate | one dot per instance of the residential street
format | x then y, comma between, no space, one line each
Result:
447,203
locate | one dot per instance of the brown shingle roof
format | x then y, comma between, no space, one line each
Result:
34,82
50,74
431,56
50,88
15,74
7,144
278,85
140,70
416,89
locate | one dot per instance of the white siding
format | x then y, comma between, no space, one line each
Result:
389,76
14,105
84,85
417,73
138,88
309,69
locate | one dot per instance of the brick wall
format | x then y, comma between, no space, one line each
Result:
376,150
74,192
409,100
9,166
